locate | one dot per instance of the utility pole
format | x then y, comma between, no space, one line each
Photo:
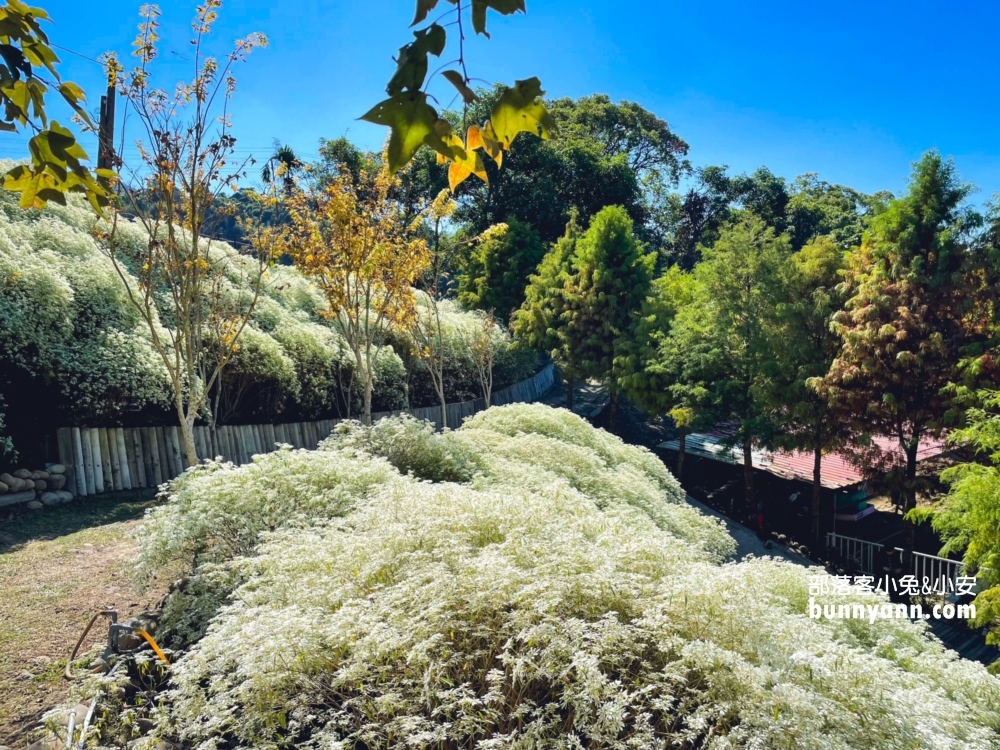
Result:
106,130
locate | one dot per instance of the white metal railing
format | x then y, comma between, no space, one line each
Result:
857,551
926,568
931,568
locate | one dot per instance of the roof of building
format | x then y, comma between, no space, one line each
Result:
836,471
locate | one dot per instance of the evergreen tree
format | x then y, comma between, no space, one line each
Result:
725,337
804,349
611,276
906,319
498,269
542,321
654,373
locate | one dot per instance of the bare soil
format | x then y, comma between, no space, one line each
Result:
58,566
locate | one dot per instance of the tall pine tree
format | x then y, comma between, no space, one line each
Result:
611,276
905,323
542,322
725,337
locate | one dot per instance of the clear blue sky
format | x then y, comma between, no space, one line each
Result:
852,90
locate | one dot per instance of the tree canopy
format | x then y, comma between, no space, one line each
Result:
607,154
904,326
494,276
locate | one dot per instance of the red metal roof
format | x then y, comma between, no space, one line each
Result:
837,469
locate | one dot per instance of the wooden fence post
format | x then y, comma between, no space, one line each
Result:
88,460
81,474
116,466
64,442
140,466
133,457
102,465
153,467
174,452
126,475
161,448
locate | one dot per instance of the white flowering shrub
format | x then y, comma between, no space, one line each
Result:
71,340
438,614
215,513
412,445
534,603
538,447
459,331
66,326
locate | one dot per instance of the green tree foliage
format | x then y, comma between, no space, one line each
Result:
968,518
57,160
283,165
542,322
655,373
817,209
420,182
805,347
682,224
905,322
727,333
807,209
495,276
611,275
607,154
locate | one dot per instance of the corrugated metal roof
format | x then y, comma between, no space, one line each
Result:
836,471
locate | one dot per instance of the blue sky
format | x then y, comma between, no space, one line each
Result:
854,91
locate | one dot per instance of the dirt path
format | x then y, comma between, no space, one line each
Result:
57,567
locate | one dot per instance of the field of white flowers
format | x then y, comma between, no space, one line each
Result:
525,581
75,348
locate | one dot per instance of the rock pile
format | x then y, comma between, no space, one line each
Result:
37,488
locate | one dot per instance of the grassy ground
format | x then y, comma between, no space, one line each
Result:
58,566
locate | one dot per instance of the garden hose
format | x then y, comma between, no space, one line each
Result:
114,626
153,644
107,613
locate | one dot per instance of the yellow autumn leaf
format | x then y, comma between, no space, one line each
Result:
468,164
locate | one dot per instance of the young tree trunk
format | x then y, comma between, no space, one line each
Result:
909,502
187,430
748,472
682,445
569,392
816,499
612,409
367,417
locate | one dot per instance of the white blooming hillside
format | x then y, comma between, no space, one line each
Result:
550,590
74,348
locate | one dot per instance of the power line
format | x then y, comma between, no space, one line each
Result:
78,54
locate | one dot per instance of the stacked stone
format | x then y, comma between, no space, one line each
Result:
36,488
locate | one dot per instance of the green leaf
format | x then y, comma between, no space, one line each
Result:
414,123
15,61
75,97
456,79
411,68
28,183
423,8
17,96
41,54
504,7
65,144
521,110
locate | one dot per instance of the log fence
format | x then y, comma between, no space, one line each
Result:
106,459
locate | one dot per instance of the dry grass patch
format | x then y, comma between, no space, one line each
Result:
57,567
